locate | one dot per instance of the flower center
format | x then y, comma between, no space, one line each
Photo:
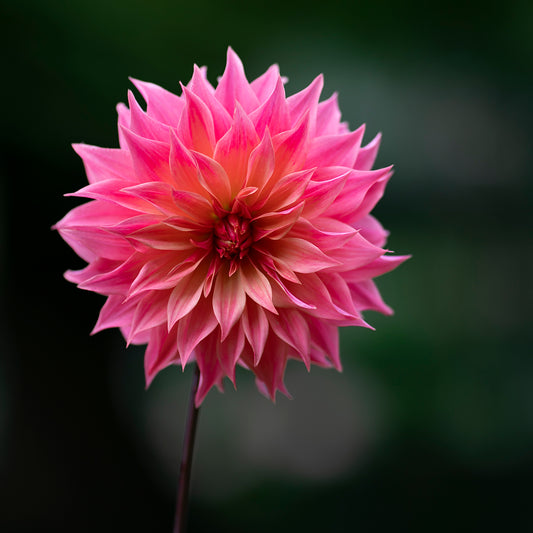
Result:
233,236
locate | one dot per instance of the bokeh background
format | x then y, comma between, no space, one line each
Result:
429,428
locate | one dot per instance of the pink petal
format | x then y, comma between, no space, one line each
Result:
372,230
300,255
194,327
203,89
183,167
379,266
291,149
365,296
261,164
106,163
292,328
234,87
214,178
229,299
266,83
196,126
186,294
162,105
233,150
229,351
273,113
256,285
143,125
150,158
328,117
306,101
340,150
255,327
211,372
160,352
367,154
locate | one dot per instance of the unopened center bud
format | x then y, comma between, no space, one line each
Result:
233,237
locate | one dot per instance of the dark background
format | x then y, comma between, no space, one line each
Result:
429,428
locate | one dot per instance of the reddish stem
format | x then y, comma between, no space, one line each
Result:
186,458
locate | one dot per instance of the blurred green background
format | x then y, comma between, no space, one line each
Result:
429,428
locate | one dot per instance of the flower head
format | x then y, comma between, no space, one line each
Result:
231,227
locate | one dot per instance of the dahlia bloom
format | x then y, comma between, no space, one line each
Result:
231,227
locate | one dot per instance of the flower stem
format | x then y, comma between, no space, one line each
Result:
186,458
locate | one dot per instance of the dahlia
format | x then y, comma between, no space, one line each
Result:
231,227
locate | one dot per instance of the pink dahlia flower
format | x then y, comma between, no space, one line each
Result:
231,227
